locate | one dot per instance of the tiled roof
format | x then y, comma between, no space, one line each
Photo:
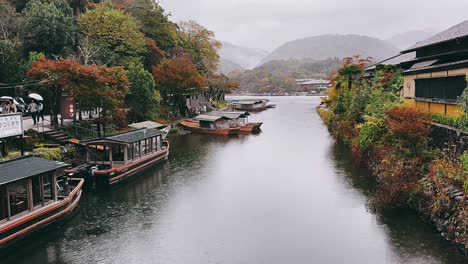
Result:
25,167
458,31
395,60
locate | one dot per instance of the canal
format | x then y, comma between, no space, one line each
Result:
288,195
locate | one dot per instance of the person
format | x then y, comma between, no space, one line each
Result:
40,111
2,108
13,108
33,108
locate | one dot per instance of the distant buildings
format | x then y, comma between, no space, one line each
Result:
313,85
435,71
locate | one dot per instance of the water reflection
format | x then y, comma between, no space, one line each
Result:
287,195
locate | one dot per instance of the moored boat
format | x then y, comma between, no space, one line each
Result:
240,119
115,158
34,193
250,105
207,124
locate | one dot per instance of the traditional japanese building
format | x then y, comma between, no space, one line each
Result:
437,76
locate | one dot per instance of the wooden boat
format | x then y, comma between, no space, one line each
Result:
115,158
210,125
239,119
34,193
250,105
251,127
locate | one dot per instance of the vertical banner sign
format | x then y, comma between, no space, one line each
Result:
11,125
67,107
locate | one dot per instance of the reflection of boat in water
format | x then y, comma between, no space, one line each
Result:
205,124
34,193
117,157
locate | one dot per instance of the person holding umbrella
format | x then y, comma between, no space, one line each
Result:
37,99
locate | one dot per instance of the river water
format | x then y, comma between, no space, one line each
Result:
290,194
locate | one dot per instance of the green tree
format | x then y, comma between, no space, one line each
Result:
350,73
48,27
142,100
116,34
201,43
155,23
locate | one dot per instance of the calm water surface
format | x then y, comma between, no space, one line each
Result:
287,195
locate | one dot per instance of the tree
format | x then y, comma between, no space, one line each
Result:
142,98
220,85
201,43
155,24
92,86
176,78
9,24
48,27
353,67
117,35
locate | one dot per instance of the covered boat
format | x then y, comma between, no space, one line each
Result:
117,157
239,119
250,105
34,193
211,124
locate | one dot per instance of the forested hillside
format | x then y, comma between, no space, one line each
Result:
121,54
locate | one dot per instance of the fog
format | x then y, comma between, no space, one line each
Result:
266,24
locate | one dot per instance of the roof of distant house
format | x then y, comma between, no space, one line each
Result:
312,81
25,167
458,31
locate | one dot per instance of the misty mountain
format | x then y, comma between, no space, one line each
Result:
242,56
227,66
332,46
409,38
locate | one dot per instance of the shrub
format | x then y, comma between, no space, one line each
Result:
410,126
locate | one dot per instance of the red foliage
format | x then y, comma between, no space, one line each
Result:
178,76
91,85
408,123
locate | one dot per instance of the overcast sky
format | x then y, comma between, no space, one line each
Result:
267,24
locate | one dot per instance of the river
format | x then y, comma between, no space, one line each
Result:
290,194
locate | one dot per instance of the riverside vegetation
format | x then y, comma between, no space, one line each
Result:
394,140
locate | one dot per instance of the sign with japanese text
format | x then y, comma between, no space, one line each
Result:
67,107
11,125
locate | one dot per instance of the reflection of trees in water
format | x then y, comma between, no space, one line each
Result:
410,237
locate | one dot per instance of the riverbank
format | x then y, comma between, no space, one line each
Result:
428,185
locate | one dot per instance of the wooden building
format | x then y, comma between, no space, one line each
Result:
437,76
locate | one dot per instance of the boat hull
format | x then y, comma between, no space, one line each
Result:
17,229
251,127
257,109
195,128
107,178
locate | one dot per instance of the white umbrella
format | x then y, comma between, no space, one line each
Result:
35,96
7,97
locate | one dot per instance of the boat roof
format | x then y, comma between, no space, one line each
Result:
210,118
129,137
229,114
146,124
25,167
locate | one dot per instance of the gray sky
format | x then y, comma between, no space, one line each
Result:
267,24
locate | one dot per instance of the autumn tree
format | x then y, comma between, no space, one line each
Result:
92,86
48,26
201,43
116,34
219,85
142,99
177,78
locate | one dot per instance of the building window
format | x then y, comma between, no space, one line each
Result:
446,88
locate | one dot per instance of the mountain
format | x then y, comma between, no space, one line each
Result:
332,46
280,75
409,38
227,66
242,56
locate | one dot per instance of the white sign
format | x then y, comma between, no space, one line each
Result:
11,125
